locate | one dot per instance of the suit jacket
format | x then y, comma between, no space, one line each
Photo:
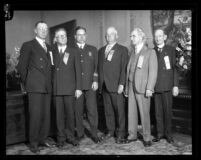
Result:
35,67
144,77
66,77
89,62
167,78
113,72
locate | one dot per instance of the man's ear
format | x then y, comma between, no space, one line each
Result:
117,36
165,37
35,31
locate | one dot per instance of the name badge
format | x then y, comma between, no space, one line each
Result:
167,62
110,55
140,61
65,59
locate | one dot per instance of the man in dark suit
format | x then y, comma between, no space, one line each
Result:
66,86
141,79
35,67
113,59
89,62
166,85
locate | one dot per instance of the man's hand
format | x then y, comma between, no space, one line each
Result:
120,89
94,86
149,93
175,91
78,93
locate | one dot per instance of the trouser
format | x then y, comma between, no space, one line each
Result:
65,118
39,117
163,112
138,101
114,106
88,96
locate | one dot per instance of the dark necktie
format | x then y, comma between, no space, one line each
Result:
160,50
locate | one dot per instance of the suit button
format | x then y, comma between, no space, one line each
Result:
82,61
57,69
41,66
41,59
81,55
82,73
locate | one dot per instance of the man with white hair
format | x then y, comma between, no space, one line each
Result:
141,79
113,59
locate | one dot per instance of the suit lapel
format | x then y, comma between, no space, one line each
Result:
143,50
41,50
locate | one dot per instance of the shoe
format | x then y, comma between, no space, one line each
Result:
157,138
74,142
34,149
96,139
121,140
45,144
147,143
131,140
170,140
101,137
108,136
60,145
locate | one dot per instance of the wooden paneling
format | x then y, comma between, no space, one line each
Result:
182,114
15,118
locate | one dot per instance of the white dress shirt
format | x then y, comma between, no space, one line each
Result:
81,45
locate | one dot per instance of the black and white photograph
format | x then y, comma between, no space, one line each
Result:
98,82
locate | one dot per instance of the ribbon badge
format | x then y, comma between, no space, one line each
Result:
111,52
90,54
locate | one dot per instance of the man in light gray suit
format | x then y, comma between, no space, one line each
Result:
141,79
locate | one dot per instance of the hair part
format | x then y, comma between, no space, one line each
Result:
36,24
80,27
59,29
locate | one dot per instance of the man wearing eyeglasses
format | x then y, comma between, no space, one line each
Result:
66,88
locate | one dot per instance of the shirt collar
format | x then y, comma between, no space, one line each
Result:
41,41
138,47
111,45
62,47
161,46
79,44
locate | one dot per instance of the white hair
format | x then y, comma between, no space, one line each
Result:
140,32
113,30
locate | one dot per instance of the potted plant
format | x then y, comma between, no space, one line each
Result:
12,76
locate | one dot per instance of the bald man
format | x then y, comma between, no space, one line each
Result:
112,64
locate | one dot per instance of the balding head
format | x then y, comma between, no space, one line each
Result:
160,37
111,35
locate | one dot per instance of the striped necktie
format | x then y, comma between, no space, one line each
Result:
44,46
